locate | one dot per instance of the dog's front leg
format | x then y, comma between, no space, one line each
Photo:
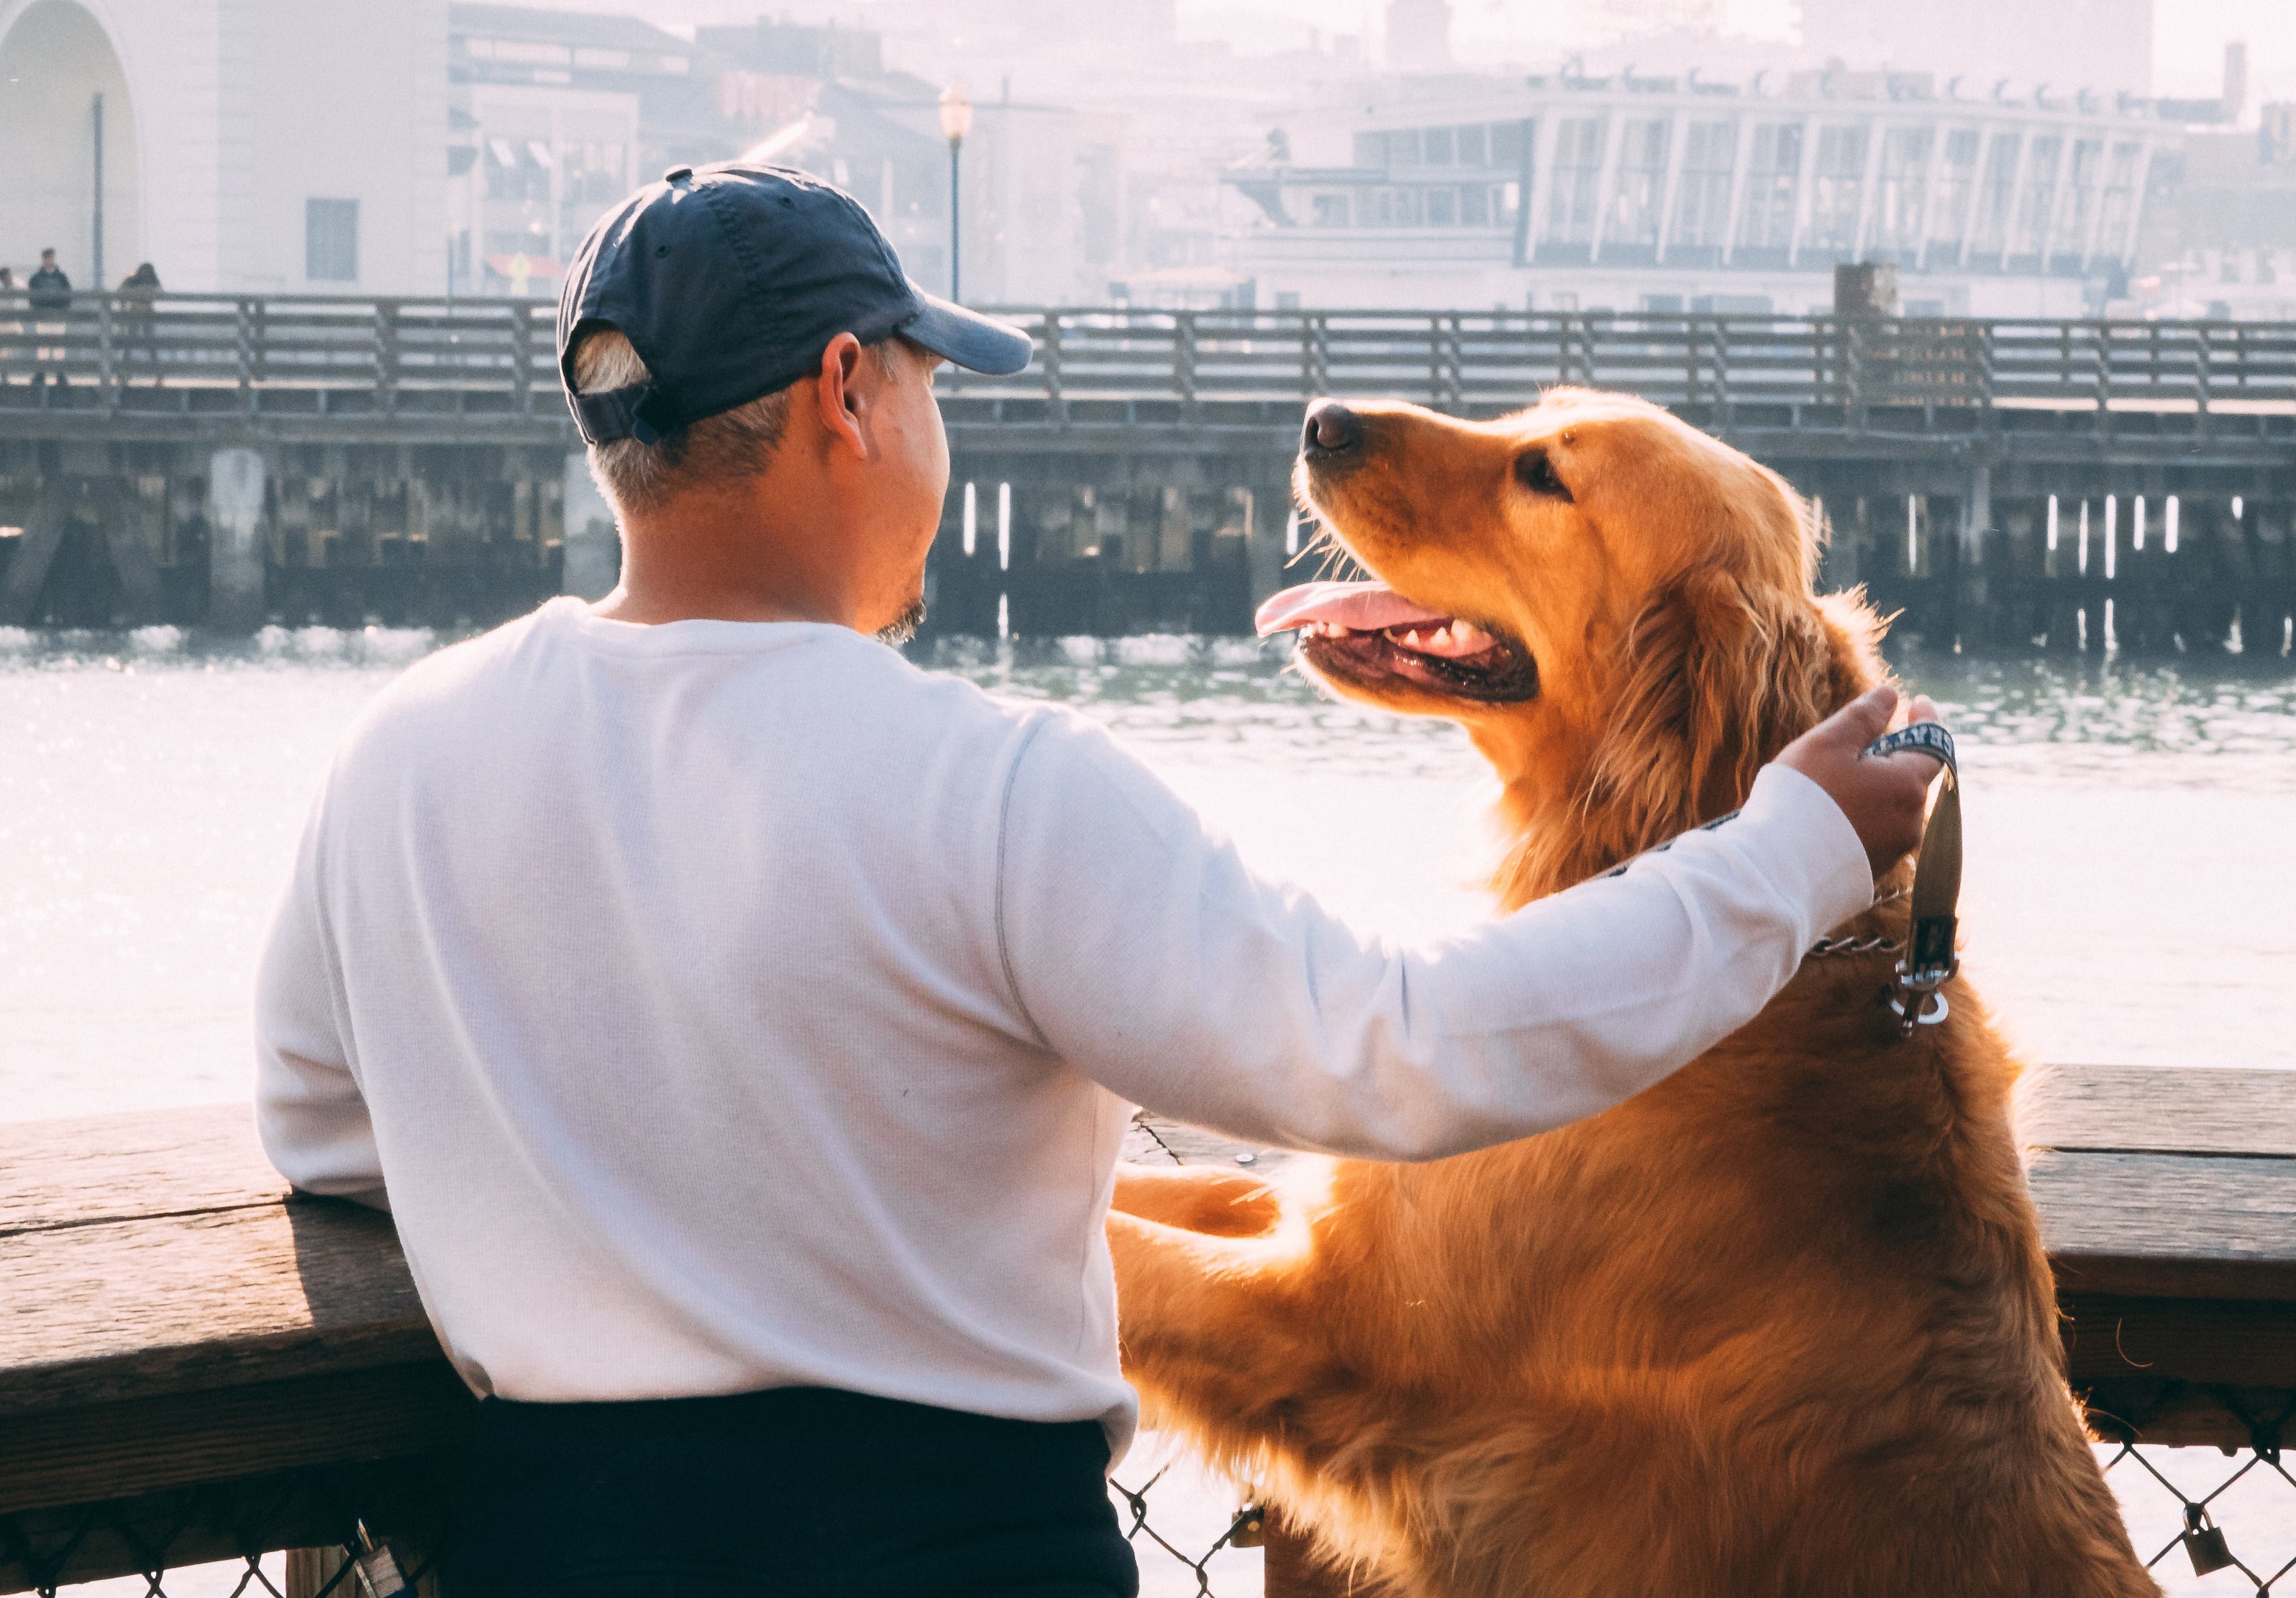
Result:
1230,1341
1198,1198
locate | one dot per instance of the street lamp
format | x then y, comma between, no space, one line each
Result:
955,122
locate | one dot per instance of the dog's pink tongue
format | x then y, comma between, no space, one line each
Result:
1358,606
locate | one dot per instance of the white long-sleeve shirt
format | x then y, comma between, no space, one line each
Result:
730,1005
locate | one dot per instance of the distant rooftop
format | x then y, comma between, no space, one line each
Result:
572,28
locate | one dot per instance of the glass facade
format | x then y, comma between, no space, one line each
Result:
1702,198
1766,216
1988,230
1640,188
1956,183
1577,169
1901,197
1837,188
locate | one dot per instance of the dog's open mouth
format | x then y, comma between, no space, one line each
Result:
1366,633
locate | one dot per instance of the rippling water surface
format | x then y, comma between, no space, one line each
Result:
2132,830
2132,850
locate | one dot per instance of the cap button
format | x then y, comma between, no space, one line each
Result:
677,175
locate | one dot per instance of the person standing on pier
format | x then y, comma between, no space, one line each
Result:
742,1024
51,293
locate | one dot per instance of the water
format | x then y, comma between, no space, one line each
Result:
2130,853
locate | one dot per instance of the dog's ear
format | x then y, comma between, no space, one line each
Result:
1716,676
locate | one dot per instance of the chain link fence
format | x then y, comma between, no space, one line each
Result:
2207,1523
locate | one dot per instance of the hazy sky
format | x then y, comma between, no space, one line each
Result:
2188,41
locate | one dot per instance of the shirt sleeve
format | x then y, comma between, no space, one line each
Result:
308,1108
1145,954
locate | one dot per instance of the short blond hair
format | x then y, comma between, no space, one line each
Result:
715,451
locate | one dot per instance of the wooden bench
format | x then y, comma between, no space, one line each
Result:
195,1364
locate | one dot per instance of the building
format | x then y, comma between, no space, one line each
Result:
237,153
1625,192
556,115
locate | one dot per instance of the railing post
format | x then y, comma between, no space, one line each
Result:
1184,359
1316,369
386,355
106,389
522,355
2101,364
244,350
1052,368
1852,332
2202,360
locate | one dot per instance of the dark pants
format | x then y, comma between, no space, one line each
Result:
789,1494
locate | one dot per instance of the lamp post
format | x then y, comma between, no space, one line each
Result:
955,122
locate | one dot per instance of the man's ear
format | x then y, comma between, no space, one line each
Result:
842,392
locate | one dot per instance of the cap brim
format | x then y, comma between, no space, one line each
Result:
975,342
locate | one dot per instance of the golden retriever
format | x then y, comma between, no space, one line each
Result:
1782,1324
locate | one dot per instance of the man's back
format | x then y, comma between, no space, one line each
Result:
658,953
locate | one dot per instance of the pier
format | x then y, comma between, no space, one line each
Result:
199,1364
229,461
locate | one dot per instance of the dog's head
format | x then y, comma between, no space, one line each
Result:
1618,606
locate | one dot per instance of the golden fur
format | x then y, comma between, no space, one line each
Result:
1782,1324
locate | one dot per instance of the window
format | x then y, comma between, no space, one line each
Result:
1442,207
1988,230
1473,148
2120,198
1701,201
1766,219
1507,140
1899,201
1435,147
1403,148
1837,187
1475,205
1957,177
1577,169
330,241
1641,184
2039,204
1331,211
2080,196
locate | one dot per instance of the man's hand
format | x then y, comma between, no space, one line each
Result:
1883,798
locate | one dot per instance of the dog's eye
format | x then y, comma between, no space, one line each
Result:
1536,472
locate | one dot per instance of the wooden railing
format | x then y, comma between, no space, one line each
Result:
496,358
199,1364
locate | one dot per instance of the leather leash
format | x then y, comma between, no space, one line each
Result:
1929,959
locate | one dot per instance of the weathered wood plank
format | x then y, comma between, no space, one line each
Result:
2224,1343
2159,1110
102,1451
134,1308
71,1173
2169,1226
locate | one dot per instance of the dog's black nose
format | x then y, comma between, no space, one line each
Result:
1332,428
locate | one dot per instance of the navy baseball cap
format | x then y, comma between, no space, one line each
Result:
729,282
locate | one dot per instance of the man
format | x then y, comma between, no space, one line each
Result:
742,1024
50,290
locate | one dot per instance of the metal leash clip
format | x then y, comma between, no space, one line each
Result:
1931,959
